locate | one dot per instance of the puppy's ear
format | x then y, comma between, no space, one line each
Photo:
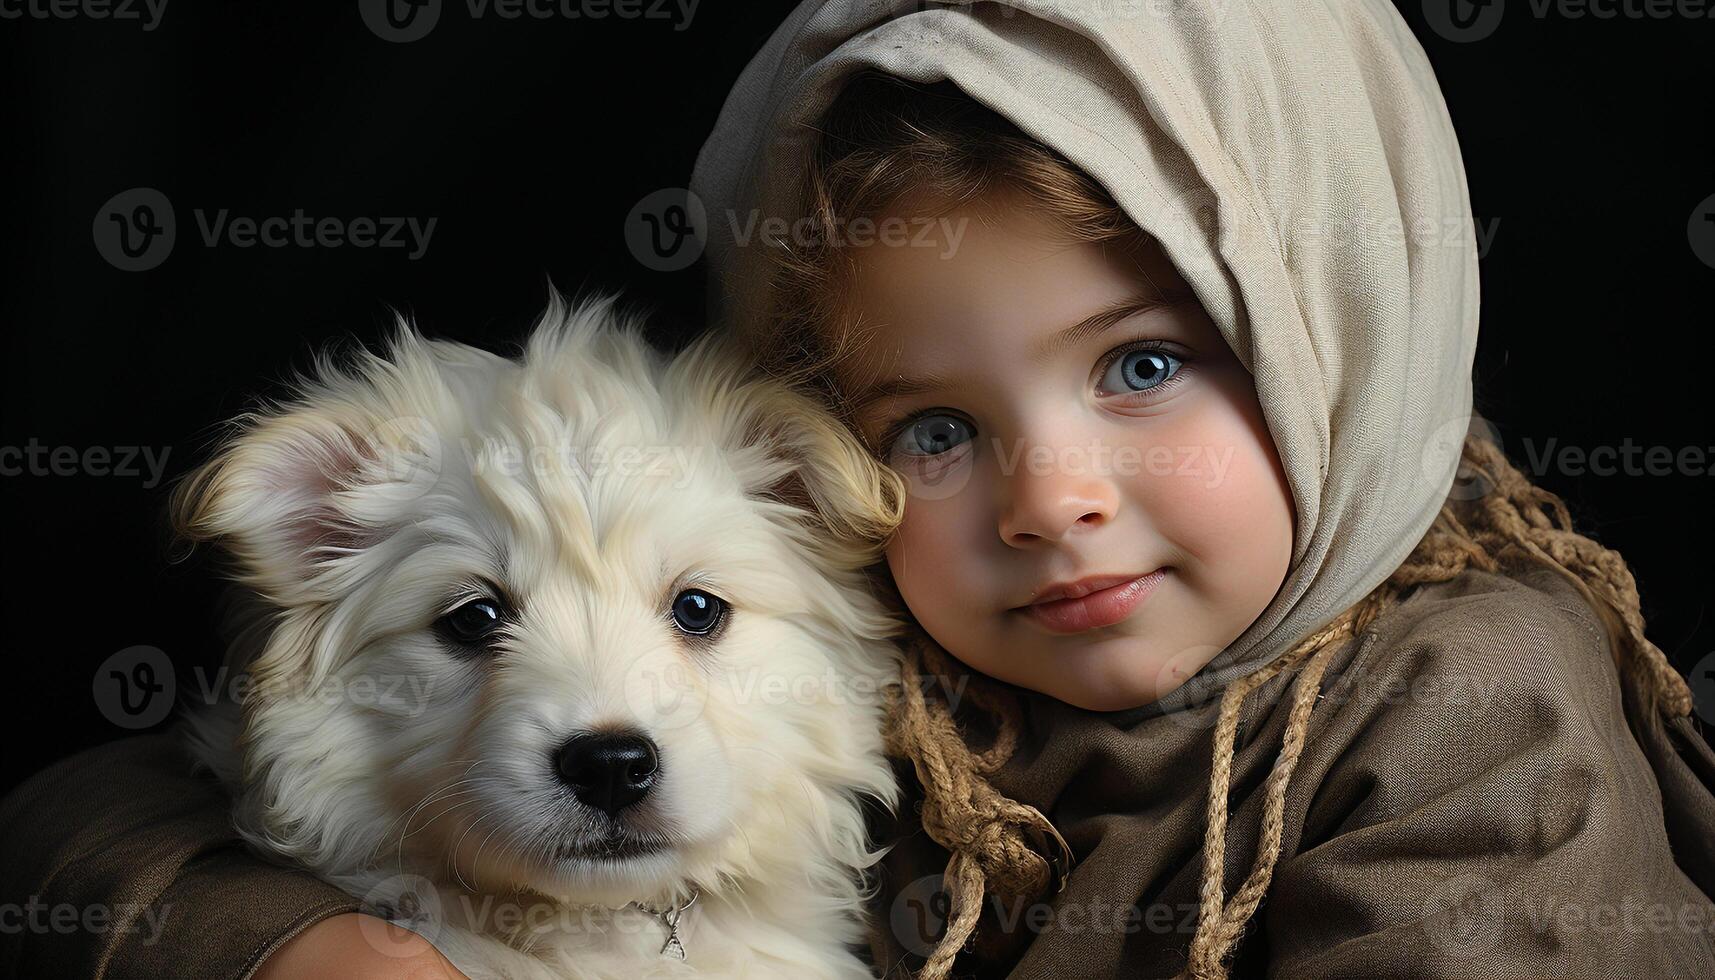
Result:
791,449
299,486
848,495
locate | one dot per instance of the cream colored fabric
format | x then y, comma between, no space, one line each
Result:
1295,159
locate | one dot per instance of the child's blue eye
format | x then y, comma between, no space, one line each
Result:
931,435
1140,370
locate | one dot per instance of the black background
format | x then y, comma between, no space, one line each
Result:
529,141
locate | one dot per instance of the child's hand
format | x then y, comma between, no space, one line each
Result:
357,947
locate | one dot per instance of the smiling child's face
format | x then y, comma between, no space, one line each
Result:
1131,450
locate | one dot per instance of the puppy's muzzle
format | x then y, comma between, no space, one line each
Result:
608,771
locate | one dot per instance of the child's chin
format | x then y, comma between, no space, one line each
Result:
1107,699
1116,675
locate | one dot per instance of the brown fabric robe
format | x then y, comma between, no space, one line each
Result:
126,826
1472,802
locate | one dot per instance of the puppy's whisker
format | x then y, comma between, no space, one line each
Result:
476,861
459,846
387,831
399,859
432,796
444,795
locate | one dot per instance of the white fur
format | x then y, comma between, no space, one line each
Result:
369,753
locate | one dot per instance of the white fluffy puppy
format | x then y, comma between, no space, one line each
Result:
568,661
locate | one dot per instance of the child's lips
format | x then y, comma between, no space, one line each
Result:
1103,607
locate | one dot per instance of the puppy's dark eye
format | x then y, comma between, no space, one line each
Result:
473,623
698,612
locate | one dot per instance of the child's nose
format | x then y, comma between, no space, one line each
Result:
1048,502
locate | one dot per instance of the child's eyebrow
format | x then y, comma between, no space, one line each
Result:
1105,319
1093,325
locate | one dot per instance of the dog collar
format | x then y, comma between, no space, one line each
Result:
669,919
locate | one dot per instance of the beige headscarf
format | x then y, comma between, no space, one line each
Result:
1295,160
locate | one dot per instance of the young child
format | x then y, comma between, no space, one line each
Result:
1177,303
1335,691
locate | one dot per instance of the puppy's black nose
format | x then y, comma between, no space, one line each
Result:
608,770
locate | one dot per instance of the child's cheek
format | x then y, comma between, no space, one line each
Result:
1227,506
930,554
